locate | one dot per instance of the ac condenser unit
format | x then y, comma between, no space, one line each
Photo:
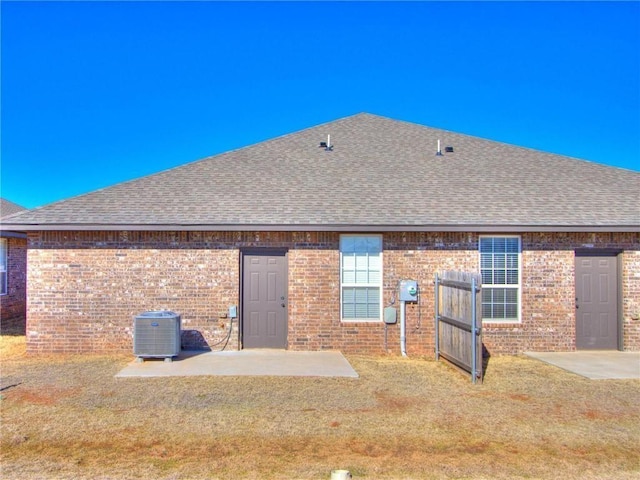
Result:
156,335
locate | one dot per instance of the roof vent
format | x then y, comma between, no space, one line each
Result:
448,149
326,145
439,151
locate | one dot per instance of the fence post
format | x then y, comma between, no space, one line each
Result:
437,326
474,332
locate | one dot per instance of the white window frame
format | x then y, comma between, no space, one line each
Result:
377,285
4,265
517,287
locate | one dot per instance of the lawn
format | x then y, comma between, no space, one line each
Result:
69,418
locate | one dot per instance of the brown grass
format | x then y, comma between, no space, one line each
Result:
69,418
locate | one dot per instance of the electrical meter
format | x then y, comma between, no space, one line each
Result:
408,291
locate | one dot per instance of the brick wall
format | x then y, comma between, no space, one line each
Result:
85,288
631,299
13,305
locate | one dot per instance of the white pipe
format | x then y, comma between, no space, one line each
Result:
403,330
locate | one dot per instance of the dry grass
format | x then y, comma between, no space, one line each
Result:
69,418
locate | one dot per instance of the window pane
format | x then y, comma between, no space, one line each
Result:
486,245
374,262
3,283
360,245
375,244
512,260
360,295
362,276
347,244
362,262
512,277
361,310
348,310
348,277
511,245
348,261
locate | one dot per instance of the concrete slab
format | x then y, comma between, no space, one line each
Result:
245,362
594,364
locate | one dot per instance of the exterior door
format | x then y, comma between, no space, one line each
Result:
596,302
264,299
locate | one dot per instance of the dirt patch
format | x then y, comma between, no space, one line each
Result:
45,395
69,417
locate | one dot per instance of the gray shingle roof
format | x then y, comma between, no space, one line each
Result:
9,208
381,174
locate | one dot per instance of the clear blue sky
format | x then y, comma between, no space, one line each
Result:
98,93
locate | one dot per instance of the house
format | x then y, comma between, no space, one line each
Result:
13,272
309,234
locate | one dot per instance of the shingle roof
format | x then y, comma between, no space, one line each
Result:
382,174
9,208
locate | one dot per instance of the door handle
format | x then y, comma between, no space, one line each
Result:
283,305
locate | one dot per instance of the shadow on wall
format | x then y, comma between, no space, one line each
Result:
194,340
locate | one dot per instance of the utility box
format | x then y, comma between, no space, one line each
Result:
390,315
156,335
408,291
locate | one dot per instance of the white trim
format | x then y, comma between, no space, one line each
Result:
505,321
355,285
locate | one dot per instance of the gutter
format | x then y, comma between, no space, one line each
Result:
314,227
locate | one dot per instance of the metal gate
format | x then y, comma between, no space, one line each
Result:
459,321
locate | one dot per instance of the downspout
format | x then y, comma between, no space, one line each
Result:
403,329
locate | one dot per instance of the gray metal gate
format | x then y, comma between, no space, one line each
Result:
458,321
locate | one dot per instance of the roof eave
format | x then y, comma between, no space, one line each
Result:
11,234
364,228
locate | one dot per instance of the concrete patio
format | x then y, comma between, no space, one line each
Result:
594,364
244,362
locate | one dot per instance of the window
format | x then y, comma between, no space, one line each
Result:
500,269
361,277
3,266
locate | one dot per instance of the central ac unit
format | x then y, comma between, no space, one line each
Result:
156,335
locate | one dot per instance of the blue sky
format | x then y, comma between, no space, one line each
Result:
96,93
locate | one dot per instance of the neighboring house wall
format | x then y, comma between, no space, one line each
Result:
13,302
86,287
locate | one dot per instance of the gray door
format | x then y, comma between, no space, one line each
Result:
264,300
596,302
